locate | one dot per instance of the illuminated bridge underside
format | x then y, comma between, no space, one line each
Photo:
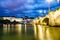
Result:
52,18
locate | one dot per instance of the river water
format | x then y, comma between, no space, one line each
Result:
29,32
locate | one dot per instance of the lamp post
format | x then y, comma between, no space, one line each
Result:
40,12
58,1
49,1
50,17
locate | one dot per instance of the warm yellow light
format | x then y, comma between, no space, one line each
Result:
34,21
35,31
57,13
19,27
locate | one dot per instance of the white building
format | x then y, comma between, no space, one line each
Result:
13,18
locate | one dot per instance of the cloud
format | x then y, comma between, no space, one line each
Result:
27,7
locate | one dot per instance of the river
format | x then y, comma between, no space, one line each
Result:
29,32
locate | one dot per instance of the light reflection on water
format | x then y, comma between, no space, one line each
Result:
40,33
29,32
46,32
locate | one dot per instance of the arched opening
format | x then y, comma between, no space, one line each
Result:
46,20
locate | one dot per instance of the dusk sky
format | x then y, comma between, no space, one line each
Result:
30,8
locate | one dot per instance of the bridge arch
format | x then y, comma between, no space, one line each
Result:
46,20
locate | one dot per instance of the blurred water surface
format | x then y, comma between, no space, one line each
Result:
29,32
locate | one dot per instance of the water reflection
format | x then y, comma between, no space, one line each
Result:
29,32
46,32
48,35
40,32
17,32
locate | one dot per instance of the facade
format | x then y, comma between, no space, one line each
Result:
13,19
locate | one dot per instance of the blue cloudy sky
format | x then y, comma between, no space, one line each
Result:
30,8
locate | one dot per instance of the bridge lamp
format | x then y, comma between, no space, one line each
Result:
40,11
44,11
49,1
58,1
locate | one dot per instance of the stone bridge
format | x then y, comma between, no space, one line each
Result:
53,18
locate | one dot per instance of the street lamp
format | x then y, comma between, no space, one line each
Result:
40,12
58,1
49,1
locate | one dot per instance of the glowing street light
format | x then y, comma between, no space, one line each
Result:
40,11
44,11
58,1
49,1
